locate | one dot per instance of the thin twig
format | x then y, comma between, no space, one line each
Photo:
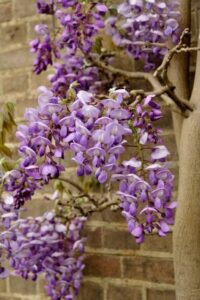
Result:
158,92
188,49
169,98
116,71
150,44
72,183
162,69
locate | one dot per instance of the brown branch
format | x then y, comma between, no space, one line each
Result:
115,71
163,68
188,49
72,183
158,92
150,44
169,97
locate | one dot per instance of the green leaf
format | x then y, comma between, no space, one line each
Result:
112,11
5,151
98,45
8,165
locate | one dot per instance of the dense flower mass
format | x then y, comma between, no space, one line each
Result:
73,70
79,23
145,182
93,130
45,7
96,132
44,48
145,21
44,245
78,116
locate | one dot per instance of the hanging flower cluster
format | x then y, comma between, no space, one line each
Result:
44,48
145,21
43,245
46,8
73,70
145,182
93,130
79,23
97,129
96,132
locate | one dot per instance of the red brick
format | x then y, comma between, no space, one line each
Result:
119,240
149,269
22,103
6,11
10,297
2,285
156,243
170,143
13,34
16,83
90,291
160,295
94,237
166,121
37,207
41,286
19,58
24,8
21,286
102,266
112,216
38,80
119,292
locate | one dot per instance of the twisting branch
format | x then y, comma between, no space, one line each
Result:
150,44
72,183
161,71
157,92
188,49
165,91
115,71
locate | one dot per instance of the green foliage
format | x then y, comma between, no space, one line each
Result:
98,45
7,123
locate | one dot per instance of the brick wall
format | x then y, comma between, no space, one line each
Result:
117,268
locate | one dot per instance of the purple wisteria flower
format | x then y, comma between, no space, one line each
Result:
80,23
93,130
96,132
73,70
45,49
149,21
43,245
45,7
145,182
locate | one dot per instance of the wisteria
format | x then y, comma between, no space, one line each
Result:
93,130
109,132
97,132
145,28
73,70
43,245
145,182
79,24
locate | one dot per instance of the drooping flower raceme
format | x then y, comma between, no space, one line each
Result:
96,132
73,70
45,7
150,21
45,49
145,182
79,24
44,245
93,130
